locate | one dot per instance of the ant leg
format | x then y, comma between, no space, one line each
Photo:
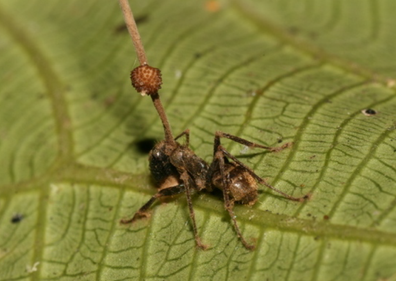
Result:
220,134
259,179
228,203
142,212
185,133
186,180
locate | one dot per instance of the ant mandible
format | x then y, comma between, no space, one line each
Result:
177,169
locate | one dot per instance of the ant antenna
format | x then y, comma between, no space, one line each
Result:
145,79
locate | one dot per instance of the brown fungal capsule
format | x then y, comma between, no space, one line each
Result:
146,79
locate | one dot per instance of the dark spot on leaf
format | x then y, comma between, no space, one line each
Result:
369,112
236,268
144,146
197,55
326,217
16,218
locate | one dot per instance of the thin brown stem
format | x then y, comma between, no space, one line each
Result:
161,112
133,31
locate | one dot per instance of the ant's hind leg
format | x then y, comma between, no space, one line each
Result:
143,211
250,144
261,180
219,147
229,203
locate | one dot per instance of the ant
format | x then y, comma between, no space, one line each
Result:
175,167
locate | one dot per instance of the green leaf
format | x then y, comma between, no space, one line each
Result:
74,138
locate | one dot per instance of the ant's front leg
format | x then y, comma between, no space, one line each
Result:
187,134
143,211
185,177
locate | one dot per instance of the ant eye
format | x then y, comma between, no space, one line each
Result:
146,79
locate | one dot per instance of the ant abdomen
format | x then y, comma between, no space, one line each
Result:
243,188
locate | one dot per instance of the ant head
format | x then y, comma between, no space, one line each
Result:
160,152
160,166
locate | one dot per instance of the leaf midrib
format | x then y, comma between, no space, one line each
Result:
141,183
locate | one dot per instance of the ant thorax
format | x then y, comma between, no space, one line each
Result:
184,158
168,161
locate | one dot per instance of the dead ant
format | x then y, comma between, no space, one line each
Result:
177,169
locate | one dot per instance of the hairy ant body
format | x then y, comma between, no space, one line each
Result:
177,169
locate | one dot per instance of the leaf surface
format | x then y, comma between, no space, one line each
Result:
74,138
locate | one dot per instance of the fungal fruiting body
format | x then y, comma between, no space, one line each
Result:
146,79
